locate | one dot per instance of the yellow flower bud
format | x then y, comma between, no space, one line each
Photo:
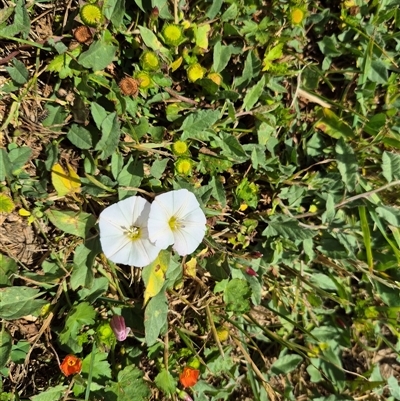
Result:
215,77
222,333
184,166
297,15
180,148
195,72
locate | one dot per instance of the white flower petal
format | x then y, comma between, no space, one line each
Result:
191,221
160,233
187,241
115,220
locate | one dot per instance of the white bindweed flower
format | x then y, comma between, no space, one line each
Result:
176,218
123,232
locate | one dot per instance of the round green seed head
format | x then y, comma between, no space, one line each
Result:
144,79
91,14
149,61
180,148
172,34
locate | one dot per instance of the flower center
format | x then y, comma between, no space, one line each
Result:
173,32
133,233
174,223
297,16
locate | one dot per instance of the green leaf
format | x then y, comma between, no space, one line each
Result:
375,124
391,166
5,347
51,394
79,316
315,374
80,137
141,129
131,177
285,364
222,55
362,211
99,55
329,46
71,222
231,13
64,64
237,296
271,55
213,164
99,114
129,387
150,39
16,302
214,9
21,23
18,73
163,8
333,126
6,13
347,164
390,296
254,94
8,267
248,192
110,136
378,72
251,69
195,123
5,166
155,318
57,115
98,288
165,382
19,156
114,11
221,365
101,367
327,333
390,214
331,365
280,225
231,148
329,214
82,274
323,281
116,164
218,191
394,387
158,167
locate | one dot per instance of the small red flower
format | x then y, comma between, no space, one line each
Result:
71,365
189,376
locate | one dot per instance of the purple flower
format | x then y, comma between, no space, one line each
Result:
119,328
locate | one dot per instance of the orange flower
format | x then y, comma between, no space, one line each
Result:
71,365
189,376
